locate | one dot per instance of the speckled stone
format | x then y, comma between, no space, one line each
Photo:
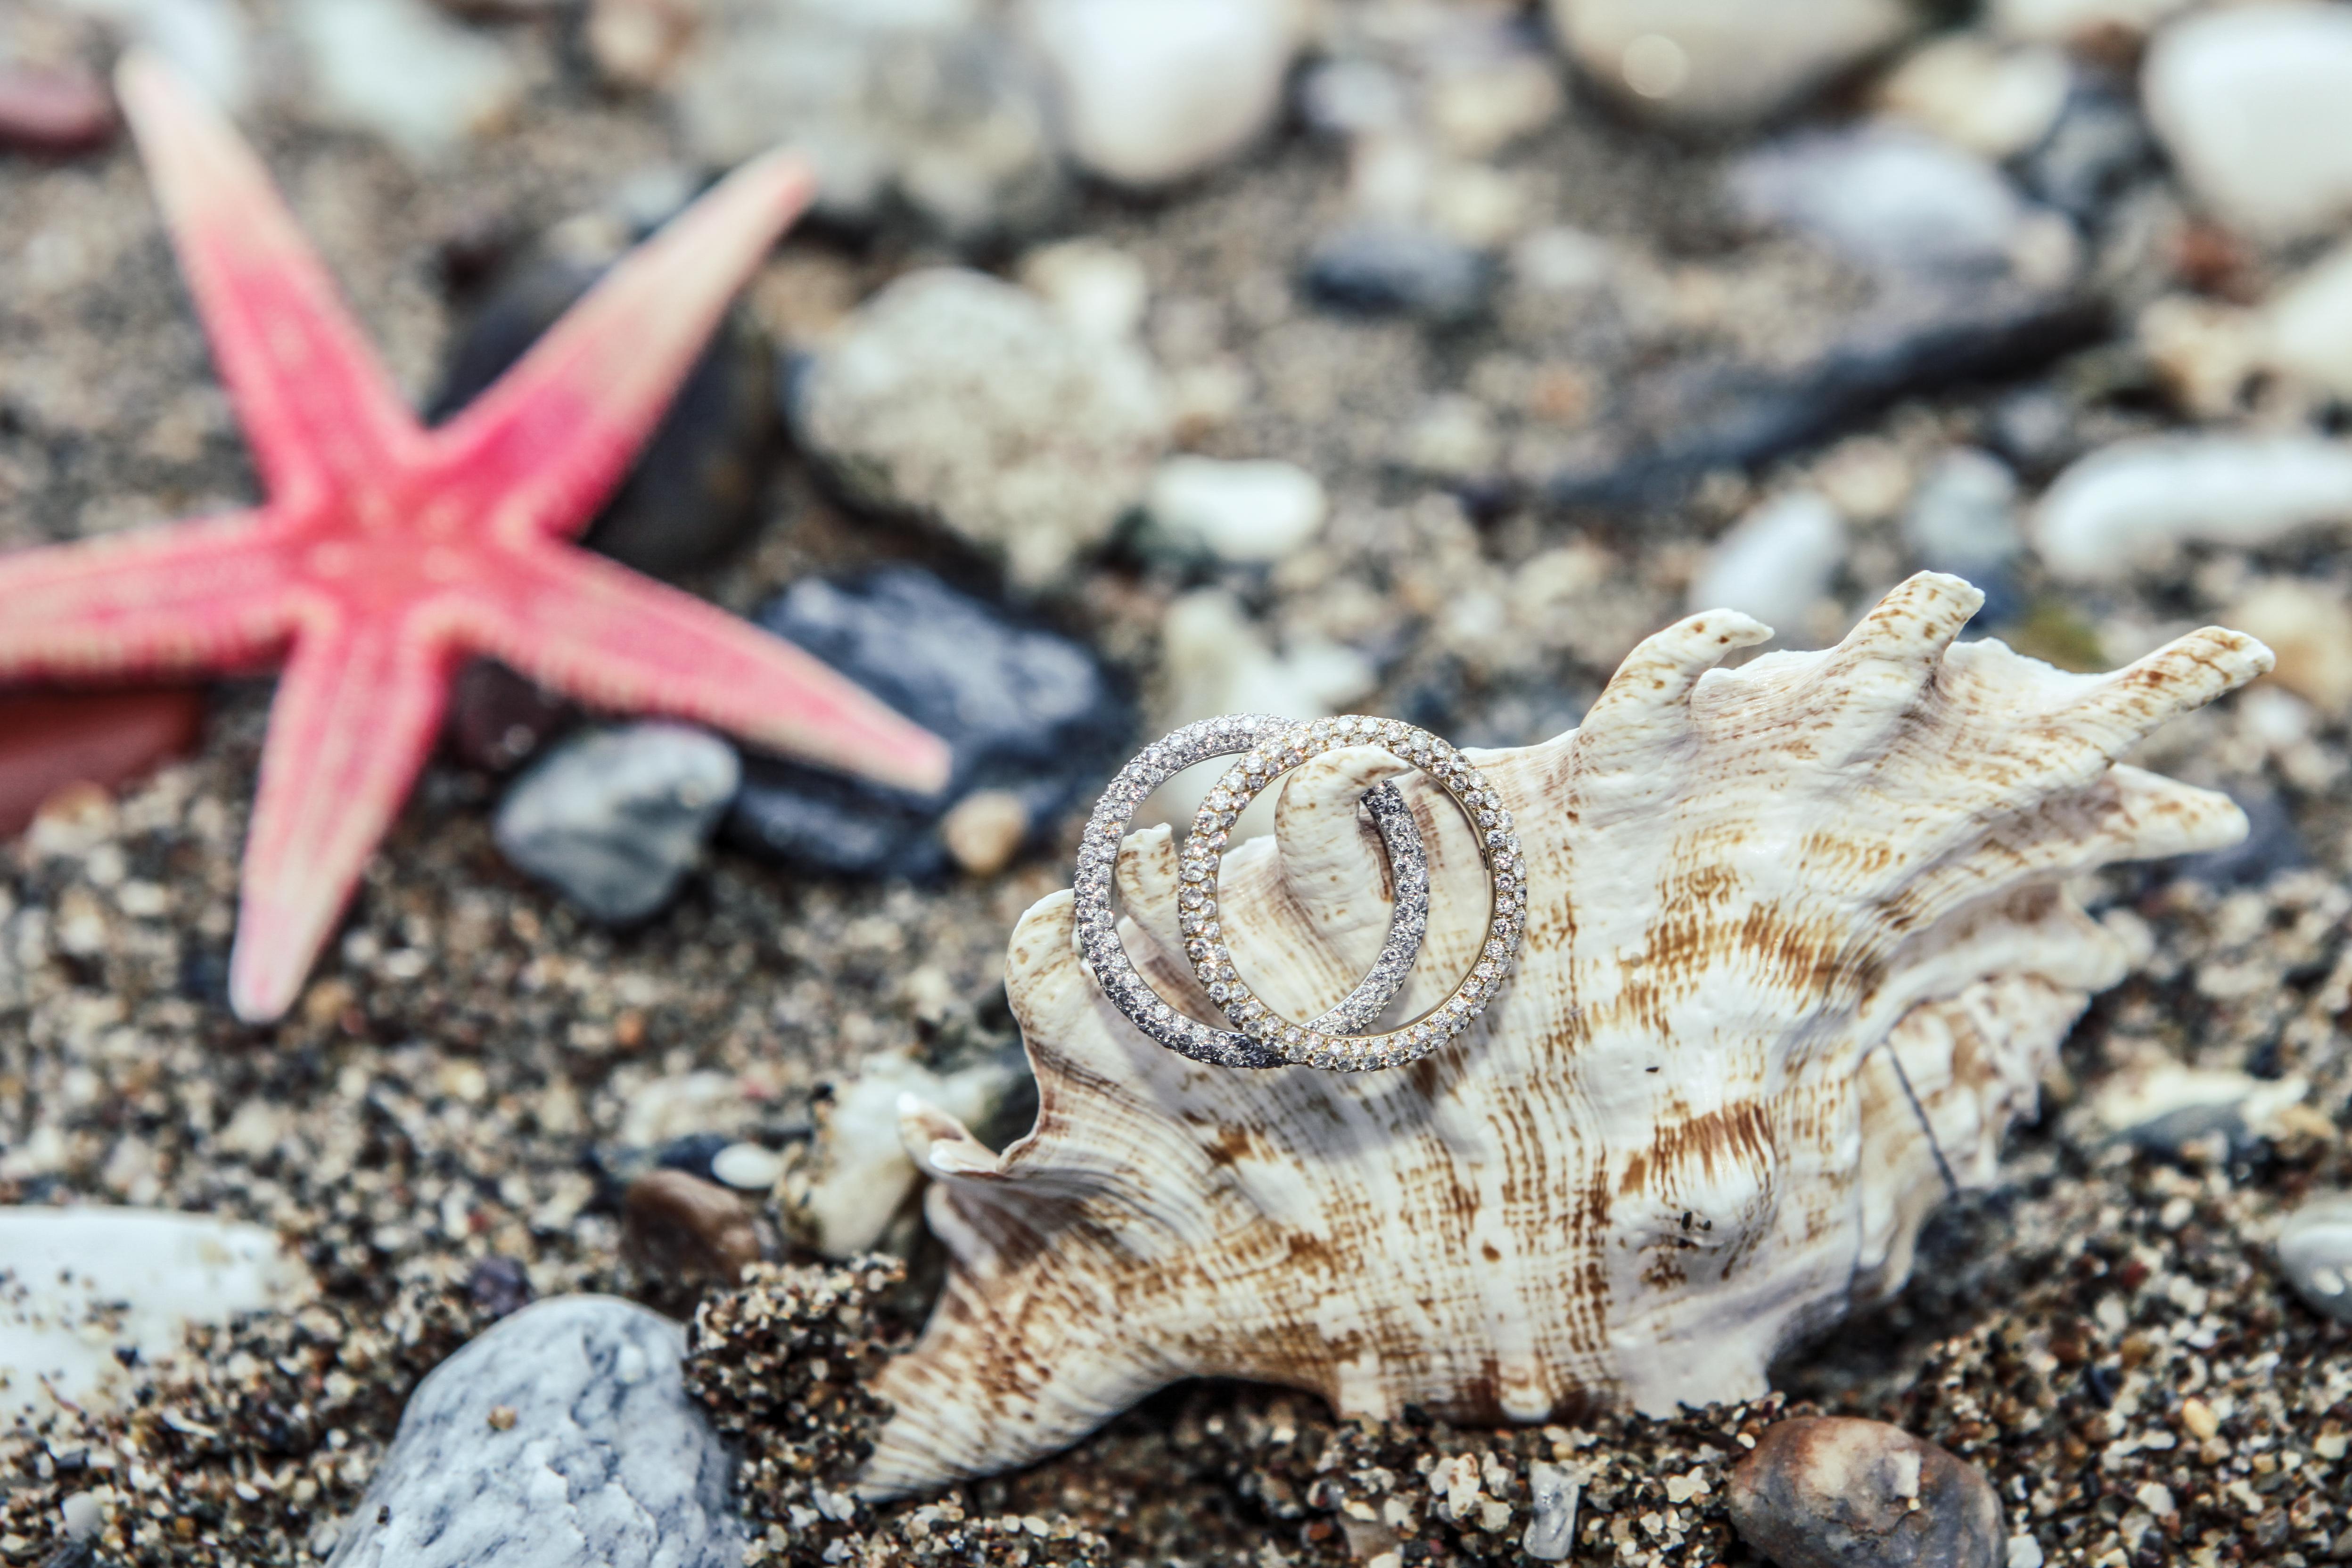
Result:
1829,1491
562,1439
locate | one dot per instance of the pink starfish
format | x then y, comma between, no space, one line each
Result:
387,551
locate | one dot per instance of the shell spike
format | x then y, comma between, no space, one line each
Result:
2121,709
1911,626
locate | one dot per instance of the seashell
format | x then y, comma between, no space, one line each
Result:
1799,946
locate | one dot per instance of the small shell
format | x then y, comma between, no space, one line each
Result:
1786,921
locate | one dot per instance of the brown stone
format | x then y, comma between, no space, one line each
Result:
1834,1493
986,830
52,739
683,1229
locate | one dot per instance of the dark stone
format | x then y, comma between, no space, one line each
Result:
1381,269
1836,1492
499,720
680,1228
2091,153
51,739
563,1436
499,1286
54,112
2272,844
1024,709
690,494
1732,416
693,1153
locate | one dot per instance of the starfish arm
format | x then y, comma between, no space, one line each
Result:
316,404
356,717
615,640
557,432
192,596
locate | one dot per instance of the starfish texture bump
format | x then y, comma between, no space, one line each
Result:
387,552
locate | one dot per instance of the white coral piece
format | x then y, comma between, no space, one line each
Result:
1676,1142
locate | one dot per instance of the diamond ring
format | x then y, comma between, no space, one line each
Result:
1268,748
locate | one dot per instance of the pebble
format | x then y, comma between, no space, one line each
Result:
1242,512
1829,1491
563,1436
498,719
1153,93
2127,505
2315,1252
912,410
1392,268
1963,516
986,830
1553,1493
2307,626
679,1228
857,1179
2254,104
2091,155
50,741
1024,709
637,44
2081,21
1098,288
209,42
2163,1105
55,113
615,819
1725,64
500,1286
925,112
402,70
690,493
1884,194
747,1167
2308,325
1775,562
145,1274
1970,91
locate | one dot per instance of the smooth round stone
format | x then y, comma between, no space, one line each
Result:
614,820
2255,103
1836,1492
1963,519
1885,195
1774,563
1724,64
2315,1252
748,1167
1237,511
1155,91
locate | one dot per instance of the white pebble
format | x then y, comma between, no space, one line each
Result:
1238,511
2024,1552
1155,91
1098,288
2308,325
1725,63
2129,504
1775,562
748,1167
2255,103
404,71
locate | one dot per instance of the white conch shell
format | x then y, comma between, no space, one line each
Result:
1672,1144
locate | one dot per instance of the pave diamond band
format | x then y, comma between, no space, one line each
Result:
1266,749
1098,923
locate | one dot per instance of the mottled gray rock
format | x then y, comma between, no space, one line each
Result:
2315,1252
959,398
1836,1492
614,820
927,110
562,1439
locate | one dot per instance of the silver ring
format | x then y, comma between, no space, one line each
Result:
1097,924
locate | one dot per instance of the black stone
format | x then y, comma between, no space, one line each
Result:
1736,416
1022,708
2093,153
693,1154
1389,270
690,494
499,1286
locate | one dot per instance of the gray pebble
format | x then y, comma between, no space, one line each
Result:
614,819
2315,1250
1836,1492
1383,269
1963,519
562,1439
